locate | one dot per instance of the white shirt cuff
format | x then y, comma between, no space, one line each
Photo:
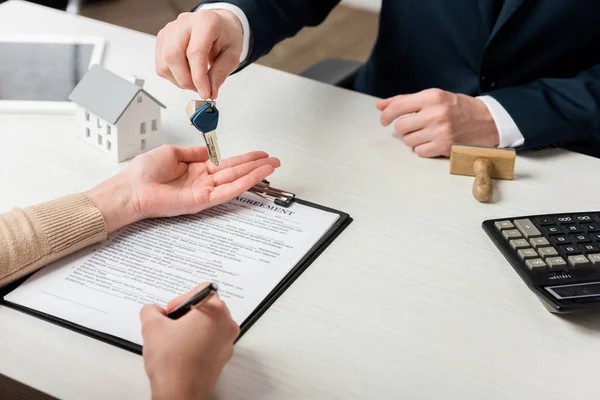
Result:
509,132
243,19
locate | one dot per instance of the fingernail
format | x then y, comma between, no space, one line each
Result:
204,94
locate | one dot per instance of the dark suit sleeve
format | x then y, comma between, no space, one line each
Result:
553,111
272,21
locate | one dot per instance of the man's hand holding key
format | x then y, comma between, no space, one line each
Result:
199,50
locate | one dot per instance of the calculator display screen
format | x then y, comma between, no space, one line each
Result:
574,291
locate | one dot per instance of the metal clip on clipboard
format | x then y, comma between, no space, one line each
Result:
279,197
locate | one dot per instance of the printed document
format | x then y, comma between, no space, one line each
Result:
246,246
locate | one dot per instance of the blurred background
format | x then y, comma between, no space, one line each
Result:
349,32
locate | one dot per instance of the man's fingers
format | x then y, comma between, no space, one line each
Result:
418,138
223,65
226,192
410,123
403,106
198,53
429,150
229,175
383,103
175,53
237,160
162,68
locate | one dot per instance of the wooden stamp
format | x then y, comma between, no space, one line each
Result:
484,163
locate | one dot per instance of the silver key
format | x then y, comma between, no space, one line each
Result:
212,145
210,138
526,227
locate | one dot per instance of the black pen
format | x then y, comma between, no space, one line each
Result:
193,301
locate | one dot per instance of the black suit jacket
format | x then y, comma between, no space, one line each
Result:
539,58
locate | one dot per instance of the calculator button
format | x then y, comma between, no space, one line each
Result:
595,236
556,262
546,252
552,230
578,261
539,242
582,238
519,244
589,247
526,227
511,234
584,218
535,264
543,221
570,249
564,219
527,253
502,225
594,258
591,227
572,229
561,239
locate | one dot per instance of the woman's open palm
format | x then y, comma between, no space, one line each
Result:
174,180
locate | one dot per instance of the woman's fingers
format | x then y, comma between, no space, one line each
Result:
184,296
191,154
231,174
228,191
237,160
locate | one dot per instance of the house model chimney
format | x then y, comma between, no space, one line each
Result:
137,81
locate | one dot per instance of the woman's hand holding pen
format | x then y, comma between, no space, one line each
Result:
184,357
172,180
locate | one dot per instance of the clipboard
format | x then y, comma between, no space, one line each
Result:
263,189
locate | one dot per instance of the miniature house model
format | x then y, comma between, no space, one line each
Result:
115,115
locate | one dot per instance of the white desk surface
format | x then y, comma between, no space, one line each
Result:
446,316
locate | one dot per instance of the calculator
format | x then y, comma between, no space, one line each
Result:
557,255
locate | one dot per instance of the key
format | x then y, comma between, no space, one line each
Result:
546,252
589,248
556,262
578,261
526,227
536,264
572,229
553,230
204,115
526,254
545,221
582,238
594,258
539,242
502,225
570,249
511,234
519,244
212,144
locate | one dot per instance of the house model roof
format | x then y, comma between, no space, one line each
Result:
106,94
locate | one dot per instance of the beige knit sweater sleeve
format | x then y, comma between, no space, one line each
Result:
33,237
